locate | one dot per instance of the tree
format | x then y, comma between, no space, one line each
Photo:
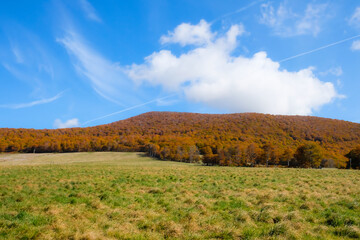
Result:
2,146
153,150
308,155
179,156
286,157
240,156
268,155
221,157
328,163
194,155
208,158
251,154
354,158
165,153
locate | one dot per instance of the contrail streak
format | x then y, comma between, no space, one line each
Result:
318,49
30,104
127,109
237,11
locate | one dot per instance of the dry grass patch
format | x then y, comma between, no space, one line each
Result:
129,196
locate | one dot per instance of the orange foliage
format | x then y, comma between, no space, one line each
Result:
226,139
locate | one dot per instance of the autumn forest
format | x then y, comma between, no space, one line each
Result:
246,139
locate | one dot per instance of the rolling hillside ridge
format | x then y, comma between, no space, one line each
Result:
171,135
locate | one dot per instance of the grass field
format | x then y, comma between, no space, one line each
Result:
129,196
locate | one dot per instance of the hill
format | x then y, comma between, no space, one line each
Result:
179,136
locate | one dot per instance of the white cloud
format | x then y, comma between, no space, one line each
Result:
187,34
68,124
355,45
286,23
28,59
339,84
336,71
17,54
210,74
274,18
355,18
311,21
106,78
31,104
89,11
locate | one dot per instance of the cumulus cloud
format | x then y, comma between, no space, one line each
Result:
68,124
210,74
287,23
355,46
187,34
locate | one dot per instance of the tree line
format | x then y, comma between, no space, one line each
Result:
214,139
308,155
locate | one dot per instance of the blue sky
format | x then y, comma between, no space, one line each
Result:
85,63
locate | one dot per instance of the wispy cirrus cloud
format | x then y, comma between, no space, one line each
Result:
17,54
31,104
355,18
287,23
89,11
335,71
26,57
106,78
67,124
355,46
354,21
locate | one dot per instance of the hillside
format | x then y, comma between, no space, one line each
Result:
174,136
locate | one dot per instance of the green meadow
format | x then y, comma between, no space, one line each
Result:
130,196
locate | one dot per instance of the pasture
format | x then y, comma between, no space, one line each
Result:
112,195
